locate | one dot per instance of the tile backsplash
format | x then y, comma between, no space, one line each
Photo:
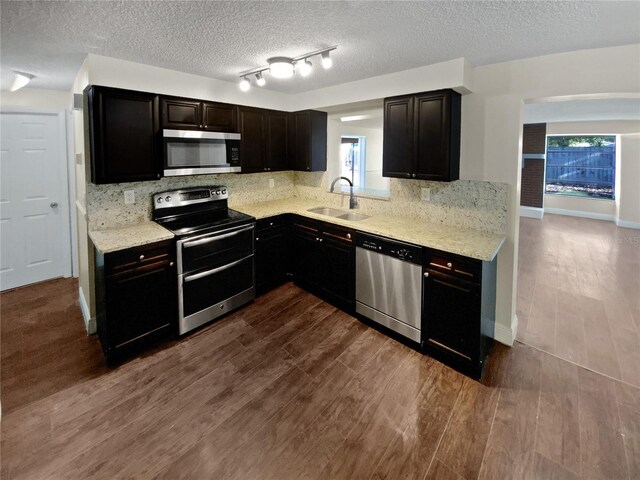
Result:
463,203
106,207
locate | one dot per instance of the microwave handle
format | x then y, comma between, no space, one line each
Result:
207,273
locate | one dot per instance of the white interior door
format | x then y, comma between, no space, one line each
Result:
34,218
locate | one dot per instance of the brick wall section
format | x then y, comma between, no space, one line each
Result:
533,141
533,138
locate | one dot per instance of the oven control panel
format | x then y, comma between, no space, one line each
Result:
189,196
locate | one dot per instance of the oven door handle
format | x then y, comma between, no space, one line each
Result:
197,276
213,238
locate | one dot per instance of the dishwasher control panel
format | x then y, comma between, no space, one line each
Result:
393,248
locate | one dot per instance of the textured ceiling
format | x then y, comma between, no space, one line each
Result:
221,39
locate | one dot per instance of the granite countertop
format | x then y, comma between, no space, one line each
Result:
462,241
119,238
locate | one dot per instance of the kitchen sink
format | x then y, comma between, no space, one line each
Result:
328,211
353,216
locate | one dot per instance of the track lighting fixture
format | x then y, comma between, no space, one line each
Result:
281,67
285,67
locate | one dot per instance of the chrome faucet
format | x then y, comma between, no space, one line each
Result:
353,203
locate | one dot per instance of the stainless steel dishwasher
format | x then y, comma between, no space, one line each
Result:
389,283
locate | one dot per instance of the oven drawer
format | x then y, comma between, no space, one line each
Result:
201,290
214,250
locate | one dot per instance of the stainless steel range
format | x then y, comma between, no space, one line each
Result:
214,252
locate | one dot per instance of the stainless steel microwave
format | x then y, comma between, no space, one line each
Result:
193,152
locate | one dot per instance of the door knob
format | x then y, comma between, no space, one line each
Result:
53,204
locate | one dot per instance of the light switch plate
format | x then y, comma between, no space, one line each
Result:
425,194
272,183
129,197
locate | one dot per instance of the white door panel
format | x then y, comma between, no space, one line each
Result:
34,235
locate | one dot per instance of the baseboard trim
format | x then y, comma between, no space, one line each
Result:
581,214
504,334
531,212
627,224
89,323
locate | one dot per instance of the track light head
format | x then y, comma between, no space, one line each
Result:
326,60
245,85
305,67
260,81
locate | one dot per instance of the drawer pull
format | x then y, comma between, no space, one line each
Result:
444,267
141,257
171,264
446,284
348,235
449,264
426,274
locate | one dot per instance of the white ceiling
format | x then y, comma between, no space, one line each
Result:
583,110
221,39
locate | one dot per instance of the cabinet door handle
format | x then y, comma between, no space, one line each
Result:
348,235
257,239
171,264
449,264
414,175
141,257
426,274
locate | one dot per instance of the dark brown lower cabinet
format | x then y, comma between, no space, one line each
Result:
338,266
458,311
272,252
324,261
136,298
305,251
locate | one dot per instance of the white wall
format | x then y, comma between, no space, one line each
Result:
85,249
136,76
454,74
36,98
626,207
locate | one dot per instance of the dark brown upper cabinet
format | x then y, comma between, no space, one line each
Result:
422,136
252,139
276,137
308,141
122,136
263,143
188,114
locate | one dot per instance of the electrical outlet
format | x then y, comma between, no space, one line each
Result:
272,183
129,197
425,194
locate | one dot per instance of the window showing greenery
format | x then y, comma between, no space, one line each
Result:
582,166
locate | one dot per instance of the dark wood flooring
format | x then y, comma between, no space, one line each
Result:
291,388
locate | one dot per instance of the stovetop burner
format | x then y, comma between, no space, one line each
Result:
196,210
204,222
